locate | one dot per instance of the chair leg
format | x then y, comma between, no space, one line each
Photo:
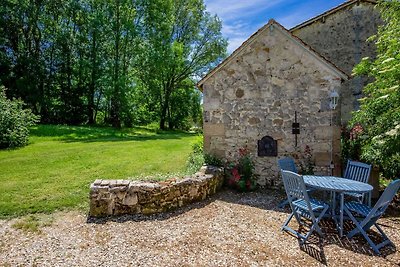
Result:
357,229
315,225
287,221
386,240
283,203
360,230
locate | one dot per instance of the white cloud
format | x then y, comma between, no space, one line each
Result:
229,9
235,16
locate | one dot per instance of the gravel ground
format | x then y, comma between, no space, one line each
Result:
230,229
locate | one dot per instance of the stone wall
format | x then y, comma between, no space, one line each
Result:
117,197
257,93
341,37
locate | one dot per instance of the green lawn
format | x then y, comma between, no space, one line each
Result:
55,170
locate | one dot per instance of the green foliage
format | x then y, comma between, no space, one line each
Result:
14,122
307,163
240,173
196,157
119,62
198,144
181,41
213,160
55,171
379,114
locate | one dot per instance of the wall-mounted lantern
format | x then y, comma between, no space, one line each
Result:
334,98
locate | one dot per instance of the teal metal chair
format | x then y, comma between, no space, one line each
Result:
364,217
303,208
286,164
360,172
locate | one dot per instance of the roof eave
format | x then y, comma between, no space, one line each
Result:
330,12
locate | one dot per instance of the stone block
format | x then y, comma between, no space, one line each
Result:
97,182
130,199
105,182
327,132
322,158
215,129
118,189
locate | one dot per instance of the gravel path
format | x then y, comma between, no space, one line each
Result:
230,229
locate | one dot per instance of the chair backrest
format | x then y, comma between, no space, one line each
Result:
294,186
357,171
287,164
385,199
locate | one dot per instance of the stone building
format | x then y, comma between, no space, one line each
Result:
275,80
340,35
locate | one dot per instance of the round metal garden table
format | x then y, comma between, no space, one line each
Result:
337,185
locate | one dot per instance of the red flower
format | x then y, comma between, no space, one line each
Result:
356,131
236,175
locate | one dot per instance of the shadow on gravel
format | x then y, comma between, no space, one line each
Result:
266,199
152,217
262,199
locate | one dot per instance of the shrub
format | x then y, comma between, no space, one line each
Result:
213,160
14,122
196,158
307,164
240,173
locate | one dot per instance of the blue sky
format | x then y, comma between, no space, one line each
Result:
241,18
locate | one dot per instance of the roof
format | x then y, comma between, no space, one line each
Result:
296,39
330,12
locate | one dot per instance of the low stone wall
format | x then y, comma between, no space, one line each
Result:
118,197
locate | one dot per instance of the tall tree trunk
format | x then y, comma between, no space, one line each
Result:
164,107
92,86
116,98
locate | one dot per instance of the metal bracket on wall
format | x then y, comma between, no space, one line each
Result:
295,128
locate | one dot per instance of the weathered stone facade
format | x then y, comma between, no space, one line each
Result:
340,35
256,92
117,197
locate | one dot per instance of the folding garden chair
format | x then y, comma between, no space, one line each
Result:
286,164
302,206
358,171
364,217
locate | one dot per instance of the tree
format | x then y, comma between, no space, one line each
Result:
379,114
124,61
180,41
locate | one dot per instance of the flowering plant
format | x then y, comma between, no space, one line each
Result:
240,173
307,164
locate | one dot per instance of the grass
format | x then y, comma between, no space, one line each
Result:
55,170
33,223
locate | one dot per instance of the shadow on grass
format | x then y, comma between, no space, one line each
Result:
104,134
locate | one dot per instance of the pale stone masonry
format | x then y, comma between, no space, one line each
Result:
118,197
255,93
341,36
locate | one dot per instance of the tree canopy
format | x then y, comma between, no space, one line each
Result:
121,62
379,114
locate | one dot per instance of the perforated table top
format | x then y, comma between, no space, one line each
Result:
337,184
